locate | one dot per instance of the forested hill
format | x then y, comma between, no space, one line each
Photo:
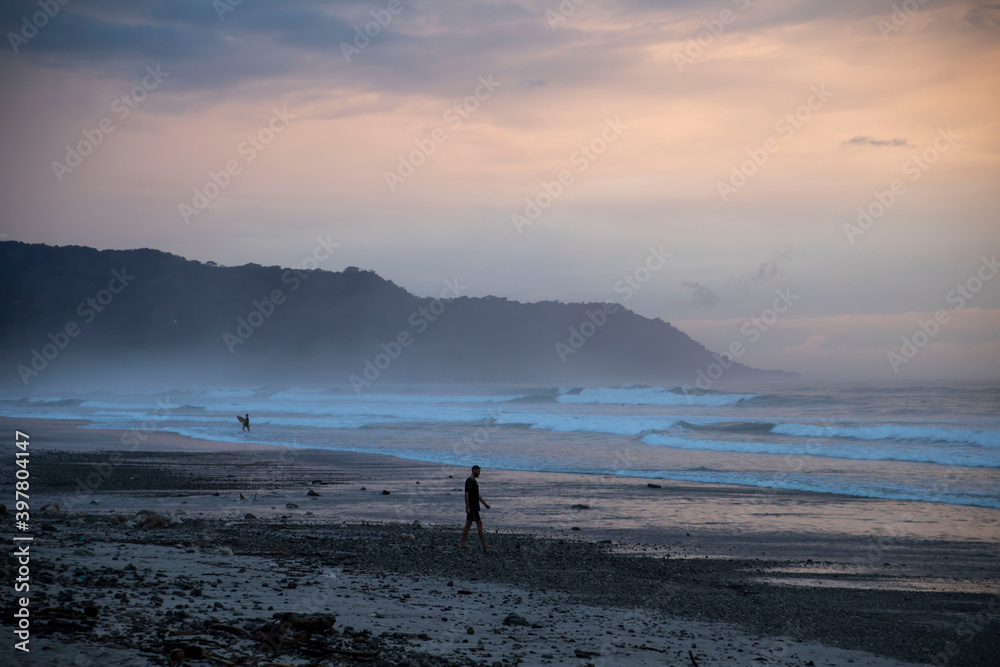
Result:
77,312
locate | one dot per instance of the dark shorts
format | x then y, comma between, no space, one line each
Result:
473,516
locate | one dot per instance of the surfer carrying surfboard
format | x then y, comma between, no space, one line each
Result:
245,421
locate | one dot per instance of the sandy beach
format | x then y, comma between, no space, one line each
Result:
236,554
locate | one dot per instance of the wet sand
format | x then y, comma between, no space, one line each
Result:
734,575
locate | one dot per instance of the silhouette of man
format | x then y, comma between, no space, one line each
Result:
246,422
472,500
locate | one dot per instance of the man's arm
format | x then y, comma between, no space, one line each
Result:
483,502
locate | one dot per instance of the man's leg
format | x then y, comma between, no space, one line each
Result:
482,537
465,533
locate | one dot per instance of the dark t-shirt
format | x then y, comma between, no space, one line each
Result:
472,488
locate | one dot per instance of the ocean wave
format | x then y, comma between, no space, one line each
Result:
610,424
52,402
296,397
227,393
892,432
728,427
634,395
836,451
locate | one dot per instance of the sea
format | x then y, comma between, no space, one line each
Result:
937,443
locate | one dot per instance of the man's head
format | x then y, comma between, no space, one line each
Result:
475,471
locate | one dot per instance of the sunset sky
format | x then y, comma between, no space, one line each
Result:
741,137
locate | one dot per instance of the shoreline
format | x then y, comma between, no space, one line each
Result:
618,505
81,435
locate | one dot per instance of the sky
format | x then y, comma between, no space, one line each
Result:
830,169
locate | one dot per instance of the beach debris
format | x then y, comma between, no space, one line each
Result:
695,662
516,619
580,653
418,526
575,528
231,629
470,630
312,492
319,623
248,515
50,509
363,488
291,506
178,652
242,497
225,551
654,486
289,630
149,520
385,492
581,506
407,536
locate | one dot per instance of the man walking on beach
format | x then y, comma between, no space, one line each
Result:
472,500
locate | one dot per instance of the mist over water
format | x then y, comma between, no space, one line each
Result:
937,443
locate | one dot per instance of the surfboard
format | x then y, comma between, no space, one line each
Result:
242,419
